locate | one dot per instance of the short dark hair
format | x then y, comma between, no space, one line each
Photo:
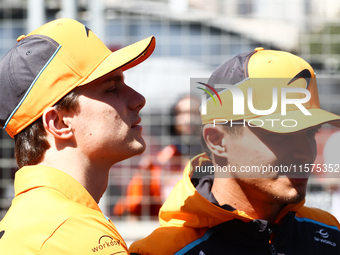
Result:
31,143
234,131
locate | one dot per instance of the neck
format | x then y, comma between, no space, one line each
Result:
92,175
229,191
95,182
96,187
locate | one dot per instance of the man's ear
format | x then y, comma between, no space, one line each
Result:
55,125
215,140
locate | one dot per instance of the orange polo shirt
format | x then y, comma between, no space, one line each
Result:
53,214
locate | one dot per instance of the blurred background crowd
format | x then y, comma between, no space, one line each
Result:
193,38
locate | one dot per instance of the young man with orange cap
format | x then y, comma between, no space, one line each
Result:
64,100
260,152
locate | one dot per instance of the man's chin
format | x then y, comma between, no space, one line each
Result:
293,199
297,199
134,149
139,147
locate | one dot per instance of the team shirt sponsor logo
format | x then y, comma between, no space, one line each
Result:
105,242
322,236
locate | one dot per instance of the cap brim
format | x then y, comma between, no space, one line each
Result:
124,58
294,121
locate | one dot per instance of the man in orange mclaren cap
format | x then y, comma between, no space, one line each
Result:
64,100
245,195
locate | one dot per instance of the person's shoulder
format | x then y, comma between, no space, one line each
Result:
166,240
317,216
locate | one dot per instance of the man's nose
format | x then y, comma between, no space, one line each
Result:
136,100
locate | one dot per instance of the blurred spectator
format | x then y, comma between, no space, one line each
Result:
158,174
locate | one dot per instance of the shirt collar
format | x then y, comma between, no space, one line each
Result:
37,176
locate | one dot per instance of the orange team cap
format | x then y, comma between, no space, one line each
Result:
51,61
264,73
